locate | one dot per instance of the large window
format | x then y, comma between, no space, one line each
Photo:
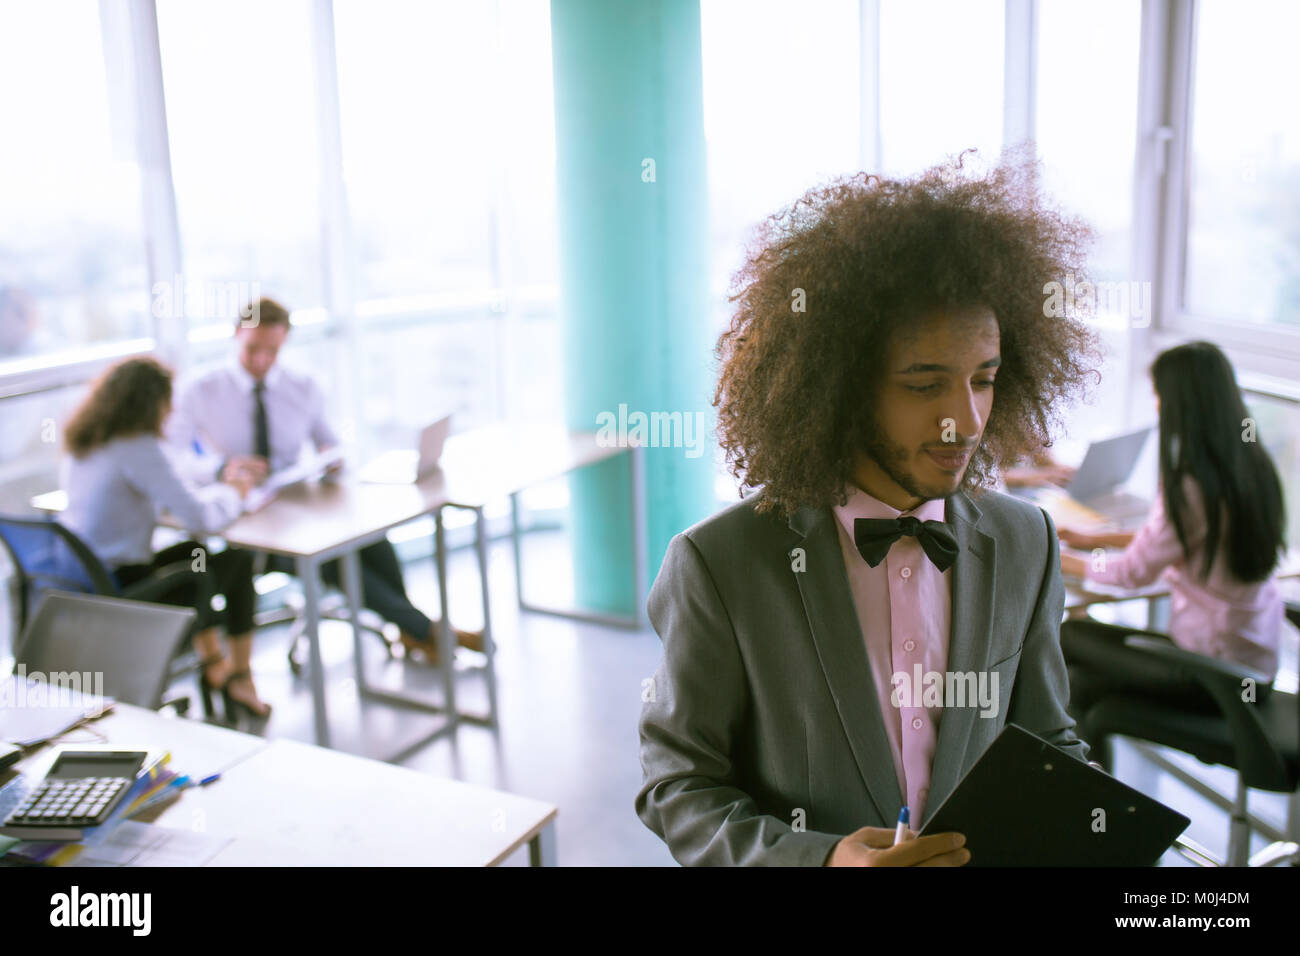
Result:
243,126
448,145
781,110
1243,165
940,81
1087,121
73,272
416,83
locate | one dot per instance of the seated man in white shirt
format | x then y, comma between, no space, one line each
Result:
252,416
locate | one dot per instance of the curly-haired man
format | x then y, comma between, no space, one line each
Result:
889,353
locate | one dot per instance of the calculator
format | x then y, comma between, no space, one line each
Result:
82,789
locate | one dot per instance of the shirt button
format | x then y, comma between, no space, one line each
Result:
916,723
909,646
906,573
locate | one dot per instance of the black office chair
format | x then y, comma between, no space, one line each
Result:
49,557
1259,738
114,647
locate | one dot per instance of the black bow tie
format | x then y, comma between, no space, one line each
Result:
875,536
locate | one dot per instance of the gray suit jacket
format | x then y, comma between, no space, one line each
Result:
762,740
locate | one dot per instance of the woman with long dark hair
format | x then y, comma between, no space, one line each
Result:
118,478
1215,532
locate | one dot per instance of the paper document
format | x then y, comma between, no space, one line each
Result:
310,467
133,844
33,711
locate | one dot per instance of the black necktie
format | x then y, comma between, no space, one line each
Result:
875,536
261,437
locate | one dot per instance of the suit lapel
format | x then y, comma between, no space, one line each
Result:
833,620
974,589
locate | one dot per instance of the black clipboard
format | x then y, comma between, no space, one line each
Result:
1029,803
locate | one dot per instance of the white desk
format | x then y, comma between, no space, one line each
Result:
287,803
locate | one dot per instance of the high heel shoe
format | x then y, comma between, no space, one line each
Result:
206,687
234,705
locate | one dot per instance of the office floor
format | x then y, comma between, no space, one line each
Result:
570,696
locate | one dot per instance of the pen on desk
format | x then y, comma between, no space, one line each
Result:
900,831
213,778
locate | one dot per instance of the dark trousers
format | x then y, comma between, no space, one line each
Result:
228,573
382,588
1100,665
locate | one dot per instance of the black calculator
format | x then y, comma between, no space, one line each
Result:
82,789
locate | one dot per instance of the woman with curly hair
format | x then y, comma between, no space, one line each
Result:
890,351
119,478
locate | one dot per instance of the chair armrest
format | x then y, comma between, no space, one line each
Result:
1258,761
160,582
1213,668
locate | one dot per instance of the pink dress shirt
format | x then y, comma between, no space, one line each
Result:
1219,617
904,607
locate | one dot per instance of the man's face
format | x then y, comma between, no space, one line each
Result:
933,403
258,348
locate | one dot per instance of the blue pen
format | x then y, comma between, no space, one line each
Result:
211,779
900,831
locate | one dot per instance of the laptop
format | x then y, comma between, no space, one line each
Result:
406,466
1107,465
1029,803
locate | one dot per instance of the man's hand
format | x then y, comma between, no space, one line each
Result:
1073,565
241,468
874,846
241,481
334,467
1082,540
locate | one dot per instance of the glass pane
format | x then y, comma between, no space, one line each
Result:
422,142
1243,231
940,81
780,110
241,114
1087,120
72,257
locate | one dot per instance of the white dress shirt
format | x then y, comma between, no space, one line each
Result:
116,492
212,419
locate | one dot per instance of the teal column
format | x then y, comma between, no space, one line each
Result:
631,191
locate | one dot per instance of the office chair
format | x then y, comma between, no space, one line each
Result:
1260,738
126,644
47,557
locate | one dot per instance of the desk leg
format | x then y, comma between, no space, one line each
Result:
446,646
351,562
309,575
639,536
541,848
517,546
489,646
